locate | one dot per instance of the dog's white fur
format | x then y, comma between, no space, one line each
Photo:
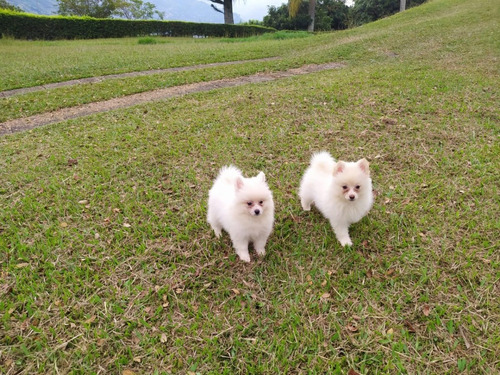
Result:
342,192
244,208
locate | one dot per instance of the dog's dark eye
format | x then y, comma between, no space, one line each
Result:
357,187
261,202
344,187
249,203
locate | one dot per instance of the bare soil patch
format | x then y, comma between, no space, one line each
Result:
31,122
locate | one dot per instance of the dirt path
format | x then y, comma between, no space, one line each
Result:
31,122
24,90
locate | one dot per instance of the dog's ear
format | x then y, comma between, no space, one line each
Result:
261,176
339,168
364,165
239,183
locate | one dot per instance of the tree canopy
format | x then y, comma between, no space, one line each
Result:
6,5
129,9
371,10
331,14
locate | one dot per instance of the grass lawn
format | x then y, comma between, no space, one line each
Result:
107,264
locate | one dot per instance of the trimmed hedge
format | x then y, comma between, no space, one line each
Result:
29,26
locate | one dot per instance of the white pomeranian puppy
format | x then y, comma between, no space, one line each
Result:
342,192
244,208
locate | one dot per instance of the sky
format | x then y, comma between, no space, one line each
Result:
257,9
254,9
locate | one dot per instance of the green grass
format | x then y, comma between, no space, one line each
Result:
107,264
278,35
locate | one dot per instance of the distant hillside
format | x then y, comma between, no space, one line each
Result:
185,10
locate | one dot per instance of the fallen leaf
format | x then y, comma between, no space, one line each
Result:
390,332
83,201
236,291
352,372
137,359
90,320
325,296
126,225
63,224
22,265
356,317
72,162
426,310
410,327
352,327
163,338
128,372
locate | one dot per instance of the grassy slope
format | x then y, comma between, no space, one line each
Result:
109,265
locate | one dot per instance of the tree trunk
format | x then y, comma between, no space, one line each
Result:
402,5
228,12
312,14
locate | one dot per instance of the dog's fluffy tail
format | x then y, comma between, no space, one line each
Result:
323,161
229,173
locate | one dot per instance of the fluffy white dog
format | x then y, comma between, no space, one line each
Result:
244,208
342,192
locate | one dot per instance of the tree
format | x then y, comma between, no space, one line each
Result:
330,14
5,5
371,10
279,18
402,5
338,12
130,9
137,10
91,8
293,7
228,10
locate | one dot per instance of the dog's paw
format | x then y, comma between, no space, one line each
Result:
346,242
261,252
245,258
217,232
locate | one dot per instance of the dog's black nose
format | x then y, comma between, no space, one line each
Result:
352,197
257,212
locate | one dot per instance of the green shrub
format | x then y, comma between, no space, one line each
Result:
28,26
147,41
